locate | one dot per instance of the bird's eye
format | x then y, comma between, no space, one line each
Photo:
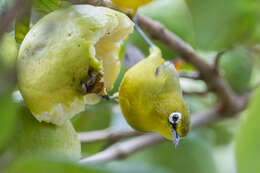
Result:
175,117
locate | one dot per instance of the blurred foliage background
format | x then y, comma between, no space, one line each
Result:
228,146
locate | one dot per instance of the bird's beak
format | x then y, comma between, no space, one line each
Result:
175,137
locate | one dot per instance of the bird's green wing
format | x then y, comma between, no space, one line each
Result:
168,74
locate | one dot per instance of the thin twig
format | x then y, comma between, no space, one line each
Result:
111,134
122,150
217,59
140,31
195,93
190,75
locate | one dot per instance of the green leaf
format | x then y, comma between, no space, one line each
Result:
7,118
130,166
224,131
95,117
22,26
43,164
118,80
46,6
122,50
248,138
194,154
22,22
219,24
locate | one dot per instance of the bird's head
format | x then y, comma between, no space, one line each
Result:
179,124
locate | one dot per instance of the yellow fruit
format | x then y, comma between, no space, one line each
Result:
150,96
67,49
134,4
33,136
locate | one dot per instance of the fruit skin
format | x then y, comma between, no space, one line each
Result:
59,52
33,136
174,15
237,66
134,4
149,93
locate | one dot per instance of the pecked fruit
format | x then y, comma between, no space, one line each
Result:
34,136
68,58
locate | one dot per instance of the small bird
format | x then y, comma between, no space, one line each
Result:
151,99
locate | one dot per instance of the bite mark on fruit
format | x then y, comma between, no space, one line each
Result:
94,84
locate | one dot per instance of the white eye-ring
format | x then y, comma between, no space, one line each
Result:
175,117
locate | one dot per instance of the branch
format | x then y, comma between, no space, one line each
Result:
8,16
217,59
190,75
195,93
122,150
111,134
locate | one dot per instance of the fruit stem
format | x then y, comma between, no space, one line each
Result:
114,97
140,31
